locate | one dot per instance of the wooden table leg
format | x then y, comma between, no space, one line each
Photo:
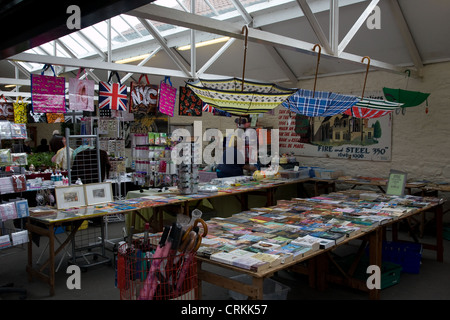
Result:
30,253
258,283
51,250
199,281
375,252
322,269
439,213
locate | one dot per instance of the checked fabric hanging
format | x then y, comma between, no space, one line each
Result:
312,103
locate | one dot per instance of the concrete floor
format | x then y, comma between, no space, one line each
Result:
98,282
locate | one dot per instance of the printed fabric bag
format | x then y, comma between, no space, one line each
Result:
144,97
190,104
35,117
112,96
55,118
6,109
48,92
167,97
81,93
20,111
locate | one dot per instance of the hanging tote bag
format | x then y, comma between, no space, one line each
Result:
112,96
81,93
6,109
167,97
20,111
48,92
144,97
190,104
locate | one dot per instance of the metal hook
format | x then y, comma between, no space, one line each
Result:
367,71
317,65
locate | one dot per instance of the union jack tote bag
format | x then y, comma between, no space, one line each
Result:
112,96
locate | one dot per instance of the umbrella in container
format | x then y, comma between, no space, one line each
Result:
239,96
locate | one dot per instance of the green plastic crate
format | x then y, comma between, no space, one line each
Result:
446,232
390,272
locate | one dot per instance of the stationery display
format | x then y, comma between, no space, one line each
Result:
151,160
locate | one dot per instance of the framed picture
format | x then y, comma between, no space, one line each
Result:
70,196
97,193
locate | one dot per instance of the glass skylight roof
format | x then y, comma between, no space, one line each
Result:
125,29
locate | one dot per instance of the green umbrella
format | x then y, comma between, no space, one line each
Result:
408,98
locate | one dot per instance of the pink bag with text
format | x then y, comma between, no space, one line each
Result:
48,92
167,97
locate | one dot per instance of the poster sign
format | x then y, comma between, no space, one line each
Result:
396,183
340,136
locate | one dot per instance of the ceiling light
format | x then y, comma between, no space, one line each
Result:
10,86
204,43
133,59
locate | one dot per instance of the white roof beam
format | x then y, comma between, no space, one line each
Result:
21,68
215,57
211,7
244,13
315,25
92,45
272,51
334,26
188,20
98,65
72,55
182,6
354,29
155,33
407,36
141,63
193,47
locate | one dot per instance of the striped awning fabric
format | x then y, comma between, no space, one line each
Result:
319,103
228,95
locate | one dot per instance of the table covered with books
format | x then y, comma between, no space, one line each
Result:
43,221
261,241
213,196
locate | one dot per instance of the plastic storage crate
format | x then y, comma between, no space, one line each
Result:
406,254
446,232
272,290
390,272
328,174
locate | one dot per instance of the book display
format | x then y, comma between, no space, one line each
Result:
295,229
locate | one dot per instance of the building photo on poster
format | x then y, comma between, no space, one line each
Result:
340,136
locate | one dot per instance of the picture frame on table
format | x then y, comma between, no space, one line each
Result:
97,193
70,196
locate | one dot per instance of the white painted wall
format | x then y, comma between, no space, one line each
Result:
420,141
